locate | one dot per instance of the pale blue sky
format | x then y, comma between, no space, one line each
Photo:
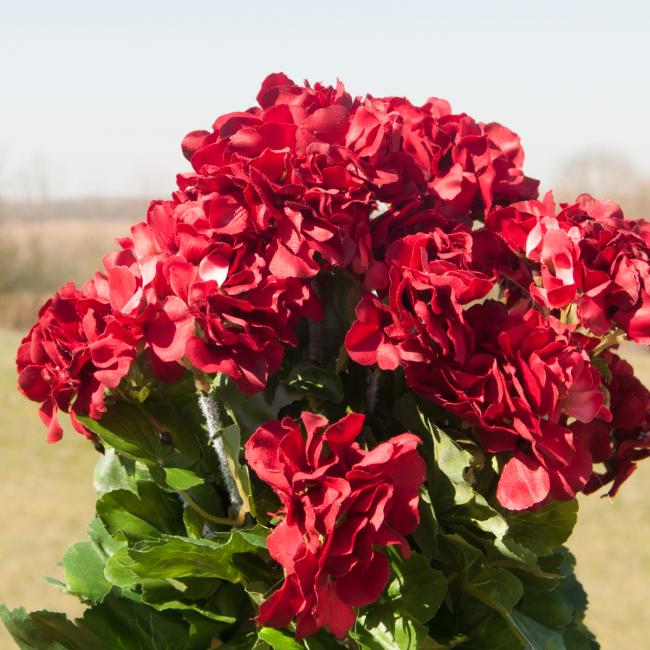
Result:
96,96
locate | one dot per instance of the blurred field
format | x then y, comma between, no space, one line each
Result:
47,498
39,256
47,489
43,246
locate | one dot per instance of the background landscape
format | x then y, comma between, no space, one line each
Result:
47,490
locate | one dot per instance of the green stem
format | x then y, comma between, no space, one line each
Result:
613,338
222,521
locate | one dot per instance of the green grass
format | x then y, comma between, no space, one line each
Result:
48,500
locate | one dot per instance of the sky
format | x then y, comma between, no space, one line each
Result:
95,97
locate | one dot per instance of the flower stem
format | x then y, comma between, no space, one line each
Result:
222,521
315,341
372,390
238,497
613,338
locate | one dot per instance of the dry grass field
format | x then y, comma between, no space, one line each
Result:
40,255
47,497
47,493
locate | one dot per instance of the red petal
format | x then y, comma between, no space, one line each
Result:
523,483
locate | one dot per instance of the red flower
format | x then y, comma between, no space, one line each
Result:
429,281
212,295
620,443
615,258
467,166
340,503
71,355
286,163
586,253
524,378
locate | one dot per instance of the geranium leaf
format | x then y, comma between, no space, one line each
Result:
551,609
384,628
105,544
247,411
181,479
147,514
279,639
339,294
114,472
48,631
323,641
127,625
235,558
545,529
249,641
83,568
308,378
125,428
415,588
496,588
537,635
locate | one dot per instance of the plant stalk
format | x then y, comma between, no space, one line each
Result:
212,415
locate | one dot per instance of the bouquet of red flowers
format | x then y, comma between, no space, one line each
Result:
346,384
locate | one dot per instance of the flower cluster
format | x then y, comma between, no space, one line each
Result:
586,254
340,504
431,214
220,275
71,355
520,371
619,443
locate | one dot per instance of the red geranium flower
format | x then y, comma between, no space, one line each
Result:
340,504
73,353
620,443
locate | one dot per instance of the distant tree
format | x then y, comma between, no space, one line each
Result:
605,174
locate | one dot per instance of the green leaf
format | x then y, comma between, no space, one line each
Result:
546,528
537,635
48,631
231,437
118,569
105,544
578,637
147,514
181,479
113,472
125,428
233,558
250,411
492,632
415,589
179,416
83,569
279,639
308,378
322,641
249,641
339,295
551,609
497,588
457,555
203,632
220,602
127,625
384,628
